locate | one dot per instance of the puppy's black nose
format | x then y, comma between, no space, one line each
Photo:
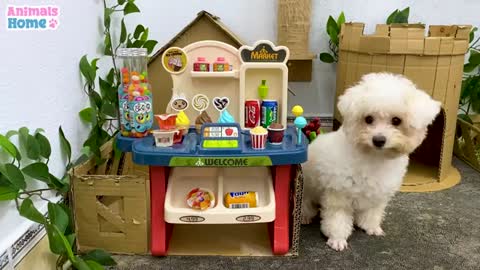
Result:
379,141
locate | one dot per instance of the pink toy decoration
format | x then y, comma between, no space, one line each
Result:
201,65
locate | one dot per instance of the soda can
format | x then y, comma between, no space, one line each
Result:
252,113
242,199
269,112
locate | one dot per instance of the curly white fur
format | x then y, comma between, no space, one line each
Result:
352,176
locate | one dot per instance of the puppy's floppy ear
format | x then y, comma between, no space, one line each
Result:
347,101
423,109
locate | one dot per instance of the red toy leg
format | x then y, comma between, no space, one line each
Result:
160,230
280,228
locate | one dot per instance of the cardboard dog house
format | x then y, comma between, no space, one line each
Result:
434,63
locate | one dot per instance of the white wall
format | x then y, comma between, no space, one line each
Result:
253,19
40,86
40,81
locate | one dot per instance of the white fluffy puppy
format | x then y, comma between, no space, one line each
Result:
352,173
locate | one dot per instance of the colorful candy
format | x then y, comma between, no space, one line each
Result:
200,199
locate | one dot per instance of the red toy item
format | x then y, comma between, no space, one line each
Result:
201,65
312,129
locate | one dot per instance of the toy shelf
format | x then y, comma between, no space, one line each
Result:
219,181
213,74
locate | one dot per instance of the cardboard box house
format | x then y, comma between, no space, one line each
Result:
111,204
434,63
294,18
205,26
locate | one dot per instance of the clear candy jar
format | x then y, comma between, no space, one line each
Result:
124,113
139,106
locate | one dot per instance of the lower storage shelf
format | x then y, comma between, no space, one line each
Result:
220,181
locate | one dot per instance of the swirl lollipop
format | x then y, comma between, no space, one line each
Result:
200,103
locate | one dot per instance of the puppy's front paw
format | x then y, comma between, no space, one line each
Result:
337,244
375,231
306,220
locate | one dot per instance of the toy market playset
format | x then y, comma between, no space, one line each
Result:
205,26
224,167
435,64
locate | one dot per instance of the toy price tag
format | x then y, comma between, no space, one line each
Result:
220,132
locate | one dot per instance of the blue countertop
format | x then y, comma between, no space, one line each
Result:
190,153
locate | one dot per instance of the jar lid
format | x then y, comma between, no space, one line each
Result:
201,58
122,52
220,58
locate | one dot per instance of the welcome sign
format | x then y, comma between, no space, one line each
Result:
32,18
255,161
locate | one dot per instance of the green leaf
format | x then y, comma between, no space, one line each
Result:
87,115
472,34
9,147
28,210
96,99
469,67
39,130
121,2
144,36
71,239
123,32
58,217
65,144
109,109
87,70
23,136
94,265
80,264
474,58
110,76
106,89
129,41
33,148
57,184
45,148
138,30
130,7
392,16
107,12
86,151
138,43
8,193
150,45
327,58
54,240
403,15
466,118
15,176
100,256
332,29
11,133
340,20
37,171
108,45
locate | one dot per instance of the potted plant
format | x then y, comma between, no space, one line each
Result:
467,143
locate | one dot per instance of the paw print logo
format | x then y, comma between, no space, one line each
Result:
53,23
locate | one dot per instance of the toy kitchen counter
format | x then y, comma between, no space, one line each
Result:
221,160
227,182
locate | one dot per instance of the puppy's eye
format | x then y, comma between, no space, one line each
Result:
396,121
369,119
